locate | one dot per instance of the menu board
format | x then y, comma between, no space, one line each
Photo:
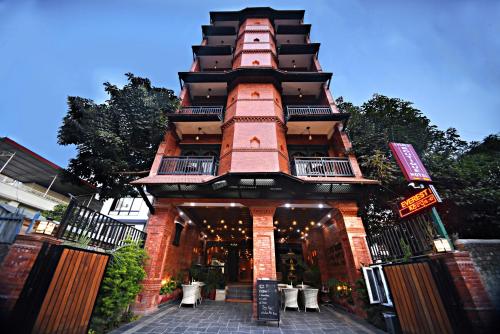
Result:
268,301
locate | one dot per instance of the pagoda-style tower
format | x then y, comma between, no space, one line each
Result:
255,161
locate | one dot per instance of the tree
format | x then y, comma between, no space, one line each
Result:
56,213
116,140
465,175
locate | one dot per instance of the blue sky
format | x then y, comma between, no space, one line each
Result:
442,55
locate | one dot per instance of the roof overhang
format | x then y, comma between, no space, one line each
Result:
257,12
272,185
28,167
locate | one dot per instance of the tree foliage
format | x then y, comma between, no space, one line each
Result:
119,287
466,175
116,140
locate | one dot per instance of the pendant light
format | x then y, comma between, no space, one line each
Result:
293,63
208,93
309,133
300,92
198,134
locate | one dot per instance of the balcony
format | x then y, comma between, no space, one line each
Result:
322,167
198,114
302,113
188,166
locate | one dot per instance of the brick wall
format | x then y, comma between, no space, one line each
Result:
485,255
16,267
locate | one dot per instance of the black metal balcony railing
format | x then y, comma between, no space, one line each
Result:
322,167
203,110
307,110
188,166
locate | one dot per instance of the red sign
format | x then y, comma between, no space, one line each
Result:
417,202
409,162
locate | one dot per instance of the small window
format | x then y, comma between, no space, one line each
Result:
378,292
255,62
255,95
256,40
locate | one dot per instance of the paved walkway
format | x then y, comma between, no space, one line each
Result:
221,317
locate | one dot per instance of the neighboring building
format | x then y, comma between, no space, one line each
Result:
32,183
256,171
129,210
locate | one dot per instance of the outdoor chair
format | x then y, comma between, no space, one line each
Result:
311,299
189,293
291,298
198,291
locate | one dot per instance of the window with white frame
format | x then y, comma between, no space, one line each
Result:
376,284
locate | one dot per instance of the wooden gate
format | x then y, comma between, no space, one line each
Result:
60,292
417,298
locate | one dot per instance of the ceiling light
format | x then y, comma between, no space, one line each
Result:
312,223
293,62
208,93
197,138
240,222
300,92
298,230
275,222
279,230
212,231
239,228
307,228
294,223
243,231
320,205
215,66
222,221
309,132
208,226
287,205
319,224
225,226
204,221
329,216
233,204
290,228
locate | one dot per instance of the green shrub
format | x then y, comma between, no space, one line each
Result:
119,287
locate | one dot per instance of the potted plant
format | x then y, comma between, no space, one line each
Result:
214,280
169,290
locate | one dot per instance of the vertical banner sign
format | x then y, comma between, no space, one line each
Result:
409,162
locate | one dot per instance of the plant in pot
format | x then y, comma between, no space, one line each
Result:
214,280
168,290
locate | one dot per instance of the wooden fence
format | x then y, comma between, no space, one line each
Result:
418,299
60,292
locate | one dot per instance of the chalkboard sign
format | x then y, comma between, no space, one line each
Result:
268,301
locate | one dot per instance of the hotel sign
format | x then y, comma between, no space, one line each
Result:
417,202
409,162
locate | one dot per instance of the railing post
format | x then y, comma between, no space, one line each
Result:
65,219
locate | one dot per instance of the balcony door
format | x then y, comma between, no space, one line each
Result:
310,151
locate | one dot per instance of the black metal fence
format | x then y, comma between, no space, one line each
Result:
203,110
411,237
303,110
322,167
187,166
82,224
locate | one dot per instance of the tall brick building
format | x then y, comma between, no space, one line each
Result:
255,173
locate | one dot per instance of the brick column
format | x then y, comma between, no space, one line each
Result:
264,260
473,297
353,238
17,265
160,229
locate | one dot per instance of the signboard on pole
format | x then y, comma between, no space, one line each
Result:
421,200
409,162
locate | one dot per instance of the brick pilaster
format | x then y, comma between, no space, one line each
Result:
264,260
160,230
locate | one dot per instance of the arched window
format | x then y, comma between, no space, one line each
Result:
256,40
255,62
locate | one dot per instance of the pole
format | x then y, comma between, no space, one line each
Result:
7,162
439,226
50,185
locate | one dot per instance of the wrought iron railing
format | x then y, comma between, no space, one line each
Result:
322,167
301,110
82,224
411,237
203,110
188,166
